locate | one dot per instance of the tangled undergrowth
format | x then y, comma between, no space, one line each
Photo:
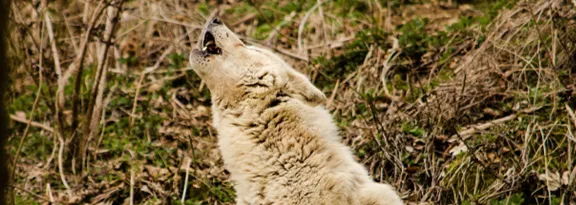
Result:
451,102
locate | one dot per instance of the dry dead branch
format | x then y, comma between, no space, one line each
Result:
91,124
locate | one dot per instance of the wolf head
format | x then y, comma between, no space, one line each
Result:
234,71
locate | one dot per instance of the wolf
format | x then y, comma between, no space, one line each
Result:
279,144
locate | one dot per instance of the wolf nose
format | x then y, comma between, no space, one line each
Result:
216,21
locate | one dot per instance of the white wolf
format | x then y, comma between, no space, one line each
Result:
279,144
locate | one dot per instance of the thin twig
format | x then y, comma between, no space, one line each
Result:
105,105
546,162
293,55
332,45
303,23
244,19
333,95
29,121
52,154
70,32
477,128
571,113
32,123
172,22
57,65
136,95
186,179
132,186
61,166
483,126
49,192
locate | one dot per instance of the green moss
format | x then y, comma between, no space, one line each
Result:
412,129
203,8
177,60
514,199
21,200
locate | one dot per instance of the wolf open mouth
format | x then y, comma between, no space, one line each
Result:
209,44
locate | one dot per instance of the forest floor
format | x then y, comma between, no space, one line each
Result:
450,101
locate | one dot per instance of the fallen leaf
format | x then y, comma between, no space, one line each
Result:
566,177
458,149
551,179
410,149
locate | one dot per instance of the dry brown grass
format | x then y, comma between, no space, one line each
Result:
116,116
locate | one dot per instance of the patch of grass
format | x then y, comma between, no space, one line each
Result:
414,40
21,200
177,60
223,192
352,57
514,199
130,61
413,130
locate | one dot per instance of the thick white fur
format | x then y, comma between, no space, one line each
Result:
279,144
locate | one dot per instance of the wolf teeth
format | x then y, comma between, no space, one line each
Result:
208,44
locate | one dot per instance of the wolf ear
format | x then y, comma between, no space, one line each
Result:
298,86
